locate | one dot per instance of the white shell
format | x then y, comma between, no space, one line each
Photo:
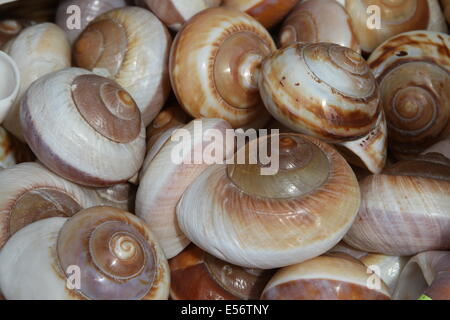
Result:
89,10
37,50
9,84
163,182
78,146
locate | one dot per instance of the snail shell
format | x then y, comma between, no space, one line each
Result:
413,70
213,66
9,84
30,193
120,196
175,13
426,276
197,275
397,16
319,21
387,268
131,46
9,28
405,210
336,276
164,181
327,91
267,12
442,147
37,50
84,127
270,221
88,9
115,254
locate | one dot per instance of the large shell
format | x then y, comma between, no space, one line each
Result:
88,10
100,253
29,192
413,70
396,16
335,276
9,84
267,12
84,127
405,210
213,66
37,51
319,21
196,275
327,91
426,276
164,180
267,221
131,46
175,13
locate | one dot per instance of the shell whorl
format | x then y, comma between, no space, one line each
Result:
233,45
111,247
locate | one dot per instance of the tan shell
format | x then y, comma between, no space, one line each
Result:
213,66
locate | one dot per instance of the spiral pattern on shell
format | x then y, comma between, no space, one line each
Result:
73,113
413,72
118,44
217,55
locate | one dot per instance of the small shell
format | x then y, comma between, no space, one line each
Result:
425,277
267,221
413,72
327,91
405,210
38,50
319,21
120,196
9,84
164,180
30,193
175,13
131,46
9,29
103,253
214,63
84,127
88,10
196,275
336,276
267,12
396,16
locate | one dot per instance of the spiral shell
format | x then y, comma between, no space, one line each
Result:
327,91
9,84
131,46
120,196
196,275
426,276
319,21
396,16
413,72
336,276
406,209
175,13
38,50
270,221
267,12
164,180
9,28
30,193
112,252
84,127
214,63
87,11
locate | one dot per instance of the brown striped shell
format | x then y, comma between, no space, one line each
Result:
267,12
335,276
214,63
196,275
413,70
